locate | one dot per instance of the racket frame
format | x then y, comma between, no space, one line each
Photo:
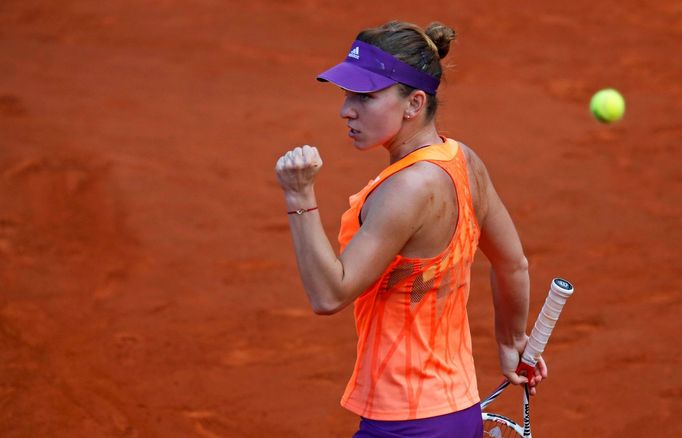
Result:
523,431
560,290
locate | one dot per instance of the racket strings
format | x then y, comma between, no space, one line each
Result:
496,429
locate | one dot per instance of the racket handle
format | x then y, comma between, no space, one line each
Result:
559,292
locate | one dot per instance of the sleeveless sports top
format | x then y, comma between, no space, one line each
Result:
414,357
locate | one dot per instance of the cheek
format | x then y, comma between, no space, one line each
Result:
387,114
389,122
392,125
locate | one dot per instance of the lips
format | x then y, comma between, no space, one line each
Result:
352,132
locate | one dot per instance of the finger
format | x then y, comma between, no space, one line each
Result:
515,378
535,381
318,158
542,368
308,155
293,160
297,157
286,161
311,155
281,165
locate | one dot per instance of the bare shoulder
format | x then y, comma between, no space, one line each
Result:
479,182
412,183
408,191
427,173
474,163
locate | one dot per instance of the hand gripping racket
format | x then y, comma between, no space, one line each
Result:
499,426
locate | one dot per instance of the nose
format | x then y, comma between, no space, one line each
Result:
347,110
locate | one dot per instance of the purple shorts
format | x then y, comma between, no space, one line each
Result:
466,423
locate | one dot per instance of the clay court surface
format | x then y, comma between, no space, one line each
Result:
148,286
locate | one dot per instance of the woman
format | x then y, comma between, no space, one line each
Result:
407,244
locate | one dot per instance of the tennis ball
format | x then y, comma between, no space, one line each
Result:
607,105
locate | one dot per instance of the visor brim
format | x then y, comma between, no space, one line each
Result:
353,78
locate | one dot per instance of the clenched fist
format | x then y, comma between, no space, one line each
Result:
297,168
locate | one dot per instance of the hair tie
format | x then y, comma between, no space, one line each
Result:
424,62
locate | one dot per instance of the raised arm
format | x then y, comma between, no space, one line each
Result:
332,282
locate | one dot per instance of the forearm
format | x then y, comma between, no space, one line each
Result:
320,269
511,290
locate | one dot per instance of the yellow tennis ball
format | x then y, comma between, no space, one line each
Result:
607,105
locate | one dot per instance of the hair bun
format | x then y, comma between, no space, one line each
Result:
441,35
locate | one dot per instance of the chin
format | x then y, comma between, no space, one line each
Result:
357,144
363,146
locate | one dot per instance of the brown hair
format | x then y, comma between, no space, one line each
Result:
421,48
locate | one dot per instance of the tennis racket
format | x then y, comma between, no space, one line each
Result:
499,426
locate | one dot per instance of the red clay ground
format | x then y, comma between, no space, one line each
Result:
148,284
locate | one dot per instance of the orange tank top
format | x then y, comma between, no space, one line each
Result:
414,356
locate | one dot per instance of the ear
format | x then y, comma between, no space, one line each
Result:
416,104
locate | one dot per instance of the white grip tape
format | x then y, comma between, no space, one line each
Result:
559,292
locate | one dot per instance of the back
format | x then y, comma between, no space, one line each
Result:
414,347
442,211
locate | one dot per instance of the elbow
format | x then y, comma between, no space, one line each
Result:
327,300
521,264
324,311
518,265
326,308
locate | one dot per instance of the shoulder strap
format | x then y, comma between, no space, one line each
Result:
438,152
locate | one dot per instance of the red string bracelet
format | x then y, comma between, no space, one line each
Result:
302,210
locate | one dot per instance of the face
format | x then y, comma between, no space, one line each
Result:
374,119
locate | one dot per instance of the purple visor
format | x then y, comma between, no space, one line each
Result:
367,68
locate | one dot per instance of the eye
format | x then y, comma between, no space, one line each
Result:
360,96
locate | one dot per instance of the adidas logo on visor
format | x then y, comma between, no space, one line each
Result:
355,53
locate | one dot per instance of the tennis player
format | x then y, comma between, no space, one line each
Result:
407,244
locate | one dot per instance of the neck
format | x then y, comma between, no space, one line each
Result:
410,139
